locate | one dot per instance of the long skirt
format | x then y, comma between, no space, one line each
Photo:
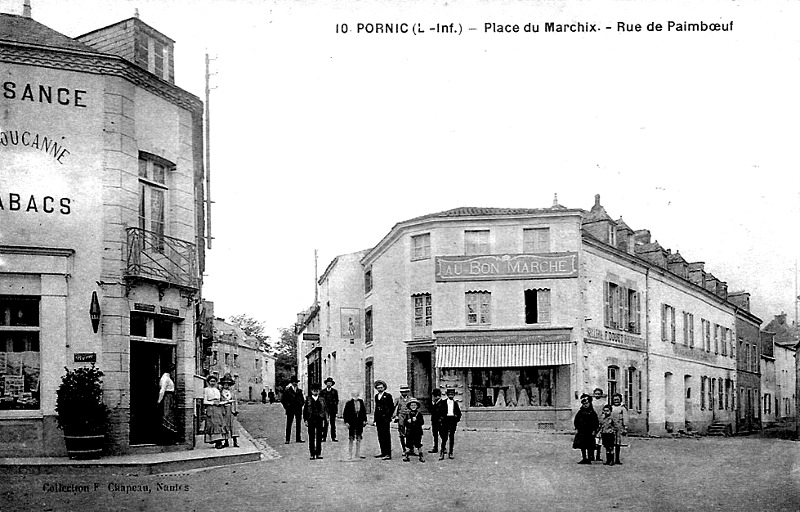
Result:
215,424
230,424
168,413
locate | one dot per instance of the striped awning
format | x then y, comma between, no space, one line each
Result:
503,355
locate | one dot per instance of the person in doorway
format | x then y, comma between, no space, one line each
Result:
384,410
315,416
620,414
608,432
586,424
399,415
412,423
166,404
263,396
229,408
331,397
355,419
292,401
215,425
598,401
436,419
450,414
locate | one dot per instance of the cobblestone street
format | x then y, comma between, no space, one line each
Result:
491,471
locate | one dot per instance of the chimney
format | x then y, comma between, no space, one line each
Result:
26,9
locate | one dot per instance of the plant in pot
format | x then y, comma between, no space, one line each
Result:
82,414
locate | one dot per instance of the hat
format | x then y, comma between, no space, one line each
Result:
212,376
404,388
227,379
315,387
412,401
436,392
586,396
450,391
380,382
333,382
294,379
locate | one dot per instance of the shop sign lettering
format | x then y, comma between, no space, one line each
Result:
609,336
14,202
33,140
507,266
90,357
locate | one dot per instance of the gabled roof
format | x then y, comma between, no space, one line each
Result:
23,30
676,258
597,213
622,225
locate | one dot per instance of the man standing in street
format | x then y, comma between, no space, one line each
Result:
331,397
292,401
400,413
450,414
315,416
355,418
384,410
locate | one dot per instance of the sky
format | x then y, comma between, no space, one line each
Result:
323,140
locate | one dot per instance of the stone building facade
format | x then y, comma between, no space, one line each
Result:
101,168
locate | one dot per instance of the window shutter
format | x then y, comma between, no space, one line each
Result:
638,313
622,298
606,316
664,322
543,303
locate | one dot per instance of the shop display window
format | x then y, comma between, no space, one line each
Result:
512,387
20,360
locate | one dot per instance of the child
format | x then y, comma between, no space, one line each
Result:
355,418
228,401
413,422
608,432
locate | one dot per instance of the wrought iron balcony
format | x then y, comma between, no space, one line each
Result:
161,258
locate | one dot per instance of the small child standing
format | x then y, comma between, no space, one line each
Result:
228,401
413,422
608,434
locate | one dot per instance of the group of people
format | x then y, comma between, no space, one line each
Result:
220,409
320,408
600,425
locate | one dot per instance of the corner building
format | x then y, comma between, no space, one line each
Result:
100,196
523,310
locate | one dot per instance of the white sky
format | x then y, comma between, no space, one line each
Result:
326,141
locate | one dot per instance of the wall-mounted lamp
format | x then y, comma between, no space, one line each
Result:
94,312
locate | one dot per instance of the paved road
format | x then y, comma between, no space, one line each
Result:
492,471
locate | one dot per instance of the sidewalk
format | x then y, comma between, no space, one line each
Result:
202,456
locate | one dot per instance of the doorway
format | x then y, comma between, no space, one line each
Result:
687,402
669,410
421,378
368,385
148,362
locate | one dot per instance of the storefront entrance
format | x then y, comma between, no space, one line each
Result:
421,378
148,362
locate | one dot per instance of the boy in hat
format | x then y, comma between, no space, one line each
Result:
355,418
384,407
292,400
412,424
436,420
315,416
400,412
450,414
331,397
230,409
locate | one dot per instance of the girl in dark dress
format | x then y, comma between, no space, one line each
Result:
586,424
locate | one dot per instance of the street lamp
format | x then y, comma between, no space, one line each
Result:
94,312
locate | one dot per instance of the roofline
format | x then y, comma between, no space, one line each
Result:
124,21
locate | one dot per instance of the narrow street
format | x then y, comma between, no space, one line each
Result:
491,471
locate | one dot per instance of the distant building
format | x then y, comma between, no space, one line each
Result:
522,310
234,352
770,403
748,364
787,337
309,368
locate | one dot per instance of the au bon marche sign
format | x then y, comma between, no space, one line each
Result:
506,266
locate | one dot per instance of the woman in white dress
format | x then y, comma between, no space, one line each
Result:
215,431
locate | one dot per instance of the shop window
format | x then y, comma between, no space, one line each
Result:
536,240
368,280
368,325
20,359
537,306
153,191
476,242
512,387
479,306
138,325
421,247
667,323
423,316
163,328
613,379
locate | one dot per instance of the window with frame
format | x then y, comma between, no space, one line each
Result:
423,315
535,240
153,192
706,326
711,386
622,308
747,357
235,360
152,327
537,306
154,55
227,359
667,323
368,325
688,329
421,247
476,241
728,386
479,308
732,339
368,280
633,389
767,403
20,352
613,380
716,338
755,358
723,342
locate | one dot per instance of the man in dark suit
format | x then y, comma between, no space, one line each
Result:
384,410
315,416
355,417
450,414
331,397
292,401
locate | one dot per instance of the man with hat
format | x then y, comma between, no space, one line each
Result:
315,416
384,410
450,414
331,397
292,401
399,415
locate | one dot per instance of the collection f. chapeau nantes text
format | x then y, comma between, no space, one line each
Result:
112,487
533,27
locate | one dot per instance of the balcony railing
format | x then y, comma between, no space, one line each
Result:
161,258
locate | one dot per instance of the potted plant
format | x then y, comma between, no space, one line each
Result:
82,414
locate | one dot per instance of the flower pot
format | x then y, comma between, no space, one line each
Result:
85,447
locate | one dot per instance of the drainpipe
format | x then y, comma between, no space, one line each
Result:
647,347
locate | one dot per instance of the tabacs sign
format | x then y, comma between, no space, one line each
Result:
506,266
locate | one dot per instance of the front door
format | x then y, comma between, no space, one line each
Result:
368,386
148,362
421,378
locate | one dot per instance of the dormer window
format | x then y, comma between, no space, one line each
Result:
612,235
154,55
